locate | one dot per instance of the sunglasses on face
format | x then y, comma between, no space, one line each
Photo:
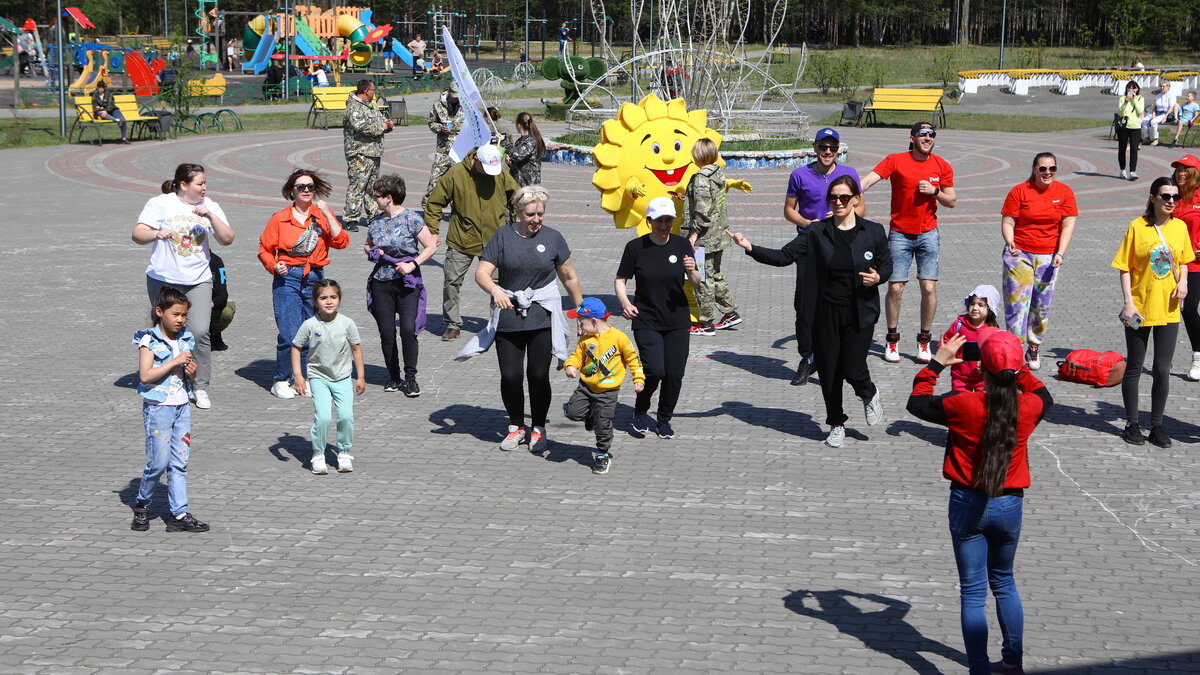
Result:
1047,169
305,187
1168,196
927,132
843,199
827,148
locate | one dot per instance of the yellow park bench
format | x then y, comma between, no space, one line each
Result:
332,101
905,100
86,120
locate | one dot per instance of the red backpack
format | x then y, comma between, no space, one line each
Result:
1088,366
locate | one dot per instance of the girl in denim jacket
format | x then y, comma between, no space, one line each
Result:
165,366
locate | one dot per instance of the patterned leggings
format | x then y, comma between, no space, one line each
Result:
1028,290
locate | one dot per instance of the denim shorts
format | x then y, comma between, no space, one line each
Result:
927,248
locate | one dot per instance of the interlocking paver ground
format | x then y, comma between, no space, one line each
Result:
744,545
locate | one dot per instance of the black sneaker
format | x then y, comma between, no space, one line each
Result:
141,519
665,430
185,523
218,344
391,385
410,387
602,461
1133,434
642,424
352,226
1159,437
803,371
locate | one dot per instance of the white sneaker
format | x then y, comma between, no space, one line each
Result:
345,462
923,353
1133,175
318,465
1124,174
837,436
891,352
873,409
1194,372
283,389
202,400
1033,357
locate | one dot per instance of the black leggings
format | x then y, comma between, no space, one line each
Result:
388,299
841,355
1164,348
664,356
527,350
1191,311
1131,138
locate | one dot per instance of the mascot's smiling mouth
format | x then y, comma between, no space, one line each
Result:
670,177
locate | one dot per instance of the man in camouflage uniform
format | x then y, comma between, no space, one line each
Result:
362,131
704,223
445,121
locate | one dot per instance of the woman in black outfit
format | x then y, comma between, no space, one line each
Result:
658,263
847,257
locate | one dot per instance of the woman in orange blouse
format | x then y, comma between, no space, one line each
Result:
294,247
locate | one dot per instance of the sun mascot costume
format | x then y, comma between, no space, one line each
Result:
646,152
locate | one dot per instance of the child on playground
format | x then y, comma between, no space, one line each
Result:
600,360
704,223
165,365
976,324
332,341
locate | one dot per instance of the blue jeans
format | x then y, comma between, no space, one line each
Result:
325,394
292,297
927,247
985,533
168,446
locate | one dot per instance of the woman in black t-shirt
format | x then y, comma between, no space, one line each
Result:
658,262
847,257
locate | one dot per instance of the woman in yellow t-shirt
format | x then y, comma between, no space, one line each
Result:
1152,262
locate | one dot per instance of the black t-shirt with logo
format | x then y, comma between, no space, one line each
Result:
657,270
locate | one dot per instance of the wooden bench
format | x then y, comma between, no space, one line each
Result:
331,101
85,118
905,100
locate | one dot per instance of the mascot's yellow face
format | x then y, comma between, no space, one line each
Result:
651,144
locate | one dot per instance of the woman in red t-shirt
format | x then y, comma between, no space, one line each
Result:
1187,178
1037,221
987,465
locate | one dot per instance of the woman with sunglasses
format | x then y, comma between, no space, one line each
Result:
1037,221
847,258
294,247
1152,262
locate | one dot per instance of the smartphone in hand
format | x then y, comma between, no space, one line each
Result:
970,351
1134,322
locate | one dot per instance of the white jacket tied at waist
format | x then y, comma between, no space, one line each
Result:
547,296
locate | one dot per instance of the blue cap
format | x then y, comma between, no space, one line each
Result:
591,308
827,132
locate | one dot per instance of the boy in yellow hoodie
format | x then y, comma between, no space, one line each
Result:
600,361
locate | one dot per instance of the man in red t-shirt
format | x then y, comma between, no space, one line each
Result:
920,182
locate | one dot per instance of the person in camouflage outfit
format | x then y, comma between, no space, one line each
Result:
445,121
362,132
704,223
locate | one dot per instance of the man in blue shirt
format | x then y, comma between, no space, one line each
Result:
806,202
564,36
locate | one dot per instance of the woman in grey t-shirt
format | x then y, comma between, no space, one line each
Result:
527,257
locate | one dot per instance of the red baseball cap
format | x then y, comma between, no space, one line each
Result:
1002,351
1186,160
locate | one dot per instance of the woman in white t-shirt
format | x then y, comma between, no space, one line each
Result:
179,223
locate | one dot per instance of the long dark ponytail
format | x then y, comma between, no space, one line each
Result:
999,435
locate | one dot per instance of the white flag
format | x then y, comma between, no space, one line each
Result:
475,131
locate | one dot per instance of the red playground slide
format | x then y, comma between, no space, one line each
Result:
141,74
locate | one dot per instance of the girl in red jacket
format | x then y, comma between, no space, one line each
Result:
975,325
988,471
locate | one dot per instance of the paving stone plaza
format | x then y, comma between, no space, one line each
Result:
742,546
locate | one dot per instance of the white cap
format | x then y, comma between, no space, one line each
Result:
659,207
489,157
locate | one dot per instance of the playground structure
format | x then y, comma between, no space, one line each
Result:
309,28
697,51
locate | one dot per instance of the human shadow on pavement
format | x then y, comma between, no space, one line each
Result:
299,447
783,420
1131,665
484,424
764,366
559,452
884,630
129,381
260,372
926,432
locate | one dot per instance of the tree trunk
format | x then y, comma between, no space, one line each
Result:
964,23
